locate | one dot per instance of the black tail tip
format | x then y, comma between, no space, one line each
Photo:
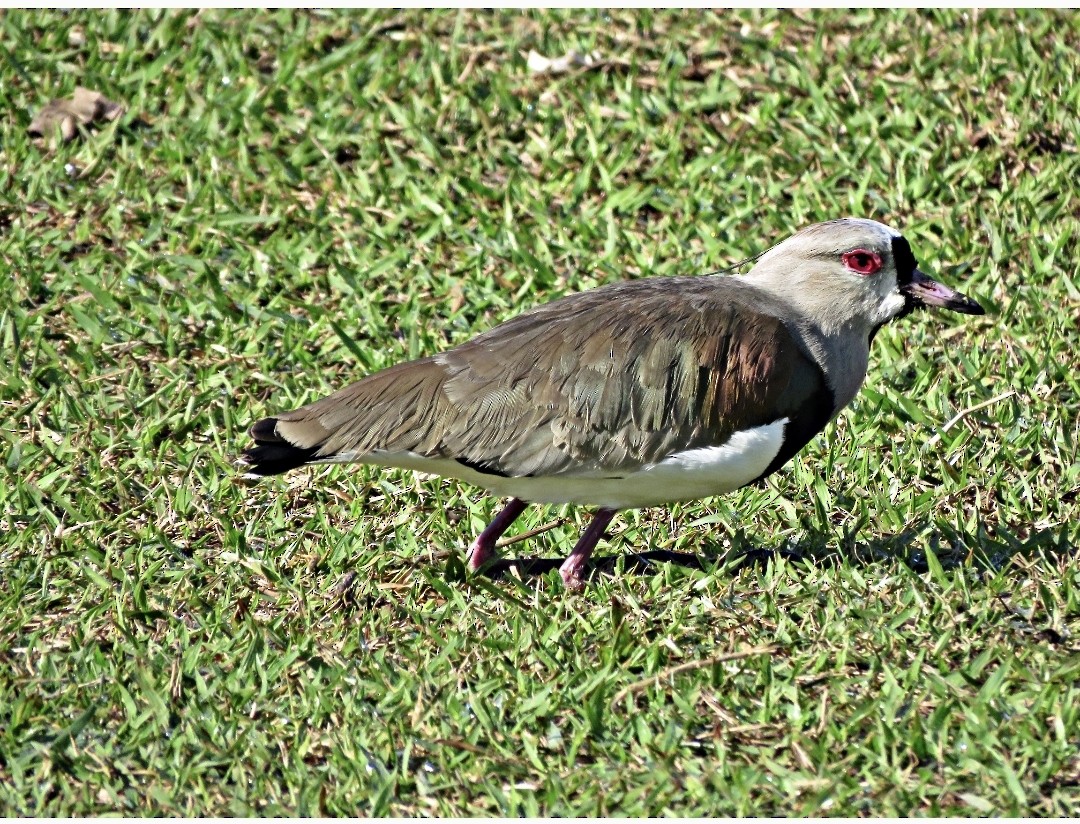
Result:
272,454
265,431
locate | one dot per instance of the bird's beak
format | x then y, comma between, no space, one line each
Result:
922,290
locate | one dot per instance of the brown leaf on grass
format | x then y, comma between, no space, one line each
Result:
81,109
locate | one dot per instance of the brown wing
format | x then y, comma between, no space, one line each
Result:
607,380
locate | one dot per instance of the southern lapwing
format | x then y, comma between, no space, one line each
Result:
630,395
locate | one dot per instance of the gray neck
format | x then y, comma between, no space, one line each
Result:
843,356
834,324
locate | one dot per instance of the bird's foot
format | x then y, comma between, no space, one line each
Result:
482,550
571,574
574,566
480,553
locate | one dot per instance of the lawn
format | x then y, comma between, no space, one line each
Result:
290,200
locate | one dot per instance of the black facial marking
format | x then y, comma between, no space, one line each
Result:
904,260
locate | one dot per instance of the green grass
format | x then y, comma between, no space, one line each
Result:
293,200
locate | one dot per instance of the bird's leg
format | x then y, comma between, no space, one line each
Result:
482,549
573,565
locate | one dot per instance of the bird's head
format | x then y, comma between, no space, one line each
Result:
853,272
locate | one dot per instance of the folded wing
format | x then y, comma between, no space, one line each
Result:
605,381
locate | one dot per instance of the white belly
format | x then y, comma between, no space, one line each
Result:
683,476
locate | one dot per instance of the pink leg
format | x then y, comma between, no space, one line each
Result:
572,567
482,550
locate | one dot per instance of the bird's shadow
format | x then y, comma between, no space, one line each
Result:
820,548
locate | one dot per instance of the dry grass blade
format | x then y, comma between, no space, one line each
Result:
689,666
959,416
532,533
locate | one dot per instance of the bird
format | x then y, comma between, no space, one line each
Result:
634,394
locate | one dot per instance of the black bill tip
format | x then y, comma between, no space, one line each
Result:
923,290
965,306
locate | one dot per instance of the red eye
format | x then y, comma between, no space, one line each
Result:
862,261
